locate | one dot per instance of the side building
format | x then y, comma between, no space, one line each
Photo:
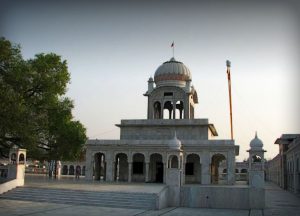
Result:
284,169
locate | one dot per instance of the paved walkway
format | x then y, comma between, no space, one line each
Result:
278,202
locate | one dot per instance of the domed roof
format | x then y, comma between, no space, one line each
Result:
256,142
175,143
172,70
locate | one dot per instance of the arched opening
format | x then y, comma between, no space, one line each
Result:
121,167
243,170
157,110
243,175
173,162
78,170
256,159
138,167
168,110
225,171
156,168
99,166
21,158
65,170
13,158
218,160
71,170
179,110
193,169
83,170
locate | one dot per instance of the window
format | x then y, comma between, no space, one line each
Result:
137,168
168,94
244,171
189,168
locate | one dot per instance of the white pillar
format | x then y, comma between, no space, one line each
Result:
205,171
113,170
109,170
294,173
129,171
89,165
147,172
230,168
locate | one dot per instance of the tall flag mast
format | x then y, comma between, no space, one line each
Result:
228,64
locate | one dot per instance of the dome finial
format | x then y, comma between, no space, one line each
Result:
255,134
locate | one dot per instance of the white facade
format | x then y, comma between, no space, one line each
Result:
144,154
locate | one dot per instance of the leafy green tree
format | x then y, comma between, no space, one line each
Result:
34,114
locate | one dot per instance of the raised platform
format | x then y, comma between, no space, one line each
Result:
69,182
39,188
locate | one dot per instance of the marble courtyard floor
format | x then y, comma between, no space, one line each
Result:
278,202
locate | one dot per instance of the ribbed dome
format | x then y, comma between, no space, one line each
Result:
256,142
172,70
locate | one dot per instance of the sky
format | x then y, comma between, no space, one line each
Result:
113,47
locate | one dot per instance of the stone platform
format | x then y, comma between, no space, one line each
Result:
69,182
278,201
66,190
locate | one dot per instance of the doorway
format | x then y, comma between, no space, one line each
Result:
159,172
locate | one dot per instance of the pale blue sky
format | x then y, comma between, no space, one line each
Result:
112,49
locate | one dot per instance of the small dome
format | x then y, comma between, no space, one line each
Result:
150,79
256,142
175,143
172,70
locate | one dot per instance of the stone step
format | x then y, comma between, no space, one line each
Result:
81,192
88,203
80,197
74,198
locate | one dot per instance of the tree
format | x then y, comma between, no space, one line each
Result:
34,112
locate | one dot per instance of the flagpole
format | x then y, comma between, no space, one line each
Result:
173,45
228,64
173,50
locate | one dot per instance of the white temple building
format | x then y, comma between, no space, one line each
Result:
170,146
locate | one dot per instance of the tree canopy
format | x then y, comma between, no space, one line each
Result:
34,113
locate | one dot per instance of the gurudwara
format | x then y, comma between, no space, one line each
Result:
170,146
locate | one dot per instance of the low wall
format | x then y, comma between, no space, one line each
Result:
11,185
232,197
162,200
